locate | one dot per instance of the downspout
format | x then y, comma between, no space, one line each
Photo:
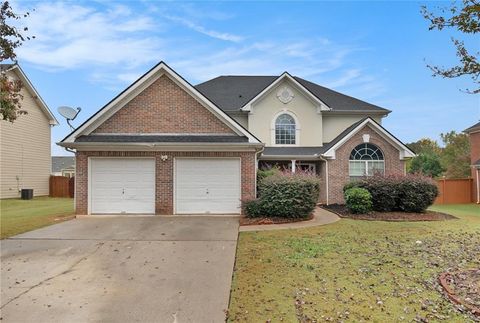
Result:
326,176
256,167
478,186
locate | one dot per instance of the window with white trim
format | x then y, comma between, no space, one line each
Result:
285,130
366,160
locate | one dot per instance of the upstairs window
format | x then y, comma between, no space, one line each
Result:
366,160
285,129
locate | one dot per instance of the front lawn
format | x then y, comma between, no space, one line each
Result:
354,270
17,216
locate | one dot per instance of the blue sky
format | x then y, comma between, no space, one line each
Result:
85,53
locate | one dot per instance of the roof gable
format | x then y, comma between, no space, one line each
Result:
15,68
321,106
405,152
475,127
140,85
233,92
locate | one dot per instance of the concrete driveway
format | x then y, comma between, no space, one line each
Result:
144,269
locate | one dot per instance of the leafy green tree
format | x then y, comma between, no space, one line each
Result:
455,156
427,164
10,39
465,18
425,145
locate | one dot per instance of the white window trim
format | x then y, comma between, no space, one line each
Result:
297,129
366,167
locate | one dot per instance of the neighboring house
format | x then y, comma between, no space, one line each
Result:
474,135
25,144
63,166
164,146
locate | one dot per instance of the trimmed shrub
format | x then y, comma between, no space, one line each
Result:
264,173
416,193
285,195
358,200
410,193
252,208
383,191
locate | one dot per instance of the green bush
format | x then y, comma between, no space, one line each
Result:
358,200
416,193
382,188
264,173
410,193
285,195
252,208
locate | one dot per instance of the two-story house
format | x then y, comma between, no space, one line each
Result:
25,144
165,146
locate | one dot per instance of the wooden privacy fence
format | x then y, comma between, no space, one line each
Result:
455,191
61,186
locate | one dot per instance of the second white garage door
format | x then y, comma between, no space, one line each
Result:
207,186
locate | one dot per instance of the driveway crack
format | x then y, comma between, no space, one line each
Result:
99,245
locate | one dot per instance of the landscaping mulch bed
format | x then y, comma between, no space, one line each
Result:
463,288
272,220
342,211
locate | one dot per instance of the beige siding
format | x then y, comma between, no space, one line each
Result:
333,125
263,112
25,159
241,119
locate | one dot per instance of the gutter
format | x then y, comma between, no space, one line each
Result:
153,144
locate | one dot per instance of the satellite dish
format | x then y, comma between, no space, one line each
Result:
69,114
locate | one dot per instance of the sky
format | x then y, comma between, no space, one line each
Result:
86,52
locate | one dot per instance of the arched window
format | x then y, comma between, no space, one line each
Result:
366,160
285,130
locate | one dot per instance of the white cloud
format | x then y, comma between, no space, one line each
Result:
115,45
73,36
208,32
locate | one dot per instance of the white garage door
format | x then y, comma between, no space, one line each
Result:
122,185
204,185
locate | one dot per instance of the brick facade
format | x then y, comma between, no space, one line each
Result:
474,156
338,168
164,175
163,107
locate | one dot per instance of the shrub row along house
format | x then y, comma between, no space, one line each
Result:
164,146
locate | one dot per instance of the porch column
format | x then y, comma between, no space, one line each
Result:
293,165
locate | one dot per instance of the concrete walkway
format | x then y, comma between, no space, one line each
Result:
130,269
320,217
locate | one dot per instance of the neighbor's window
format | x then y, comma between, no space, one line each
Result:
366,160
285,130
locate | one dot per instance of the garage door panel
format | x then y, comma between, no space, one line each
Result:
122,185
207,185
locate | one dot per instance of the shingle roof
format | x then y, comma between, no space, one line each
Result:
230,93
474,127
62,162
291,151
4,67
161,138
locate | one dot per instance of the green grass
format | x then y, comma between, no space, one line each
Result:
354,270
17,216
